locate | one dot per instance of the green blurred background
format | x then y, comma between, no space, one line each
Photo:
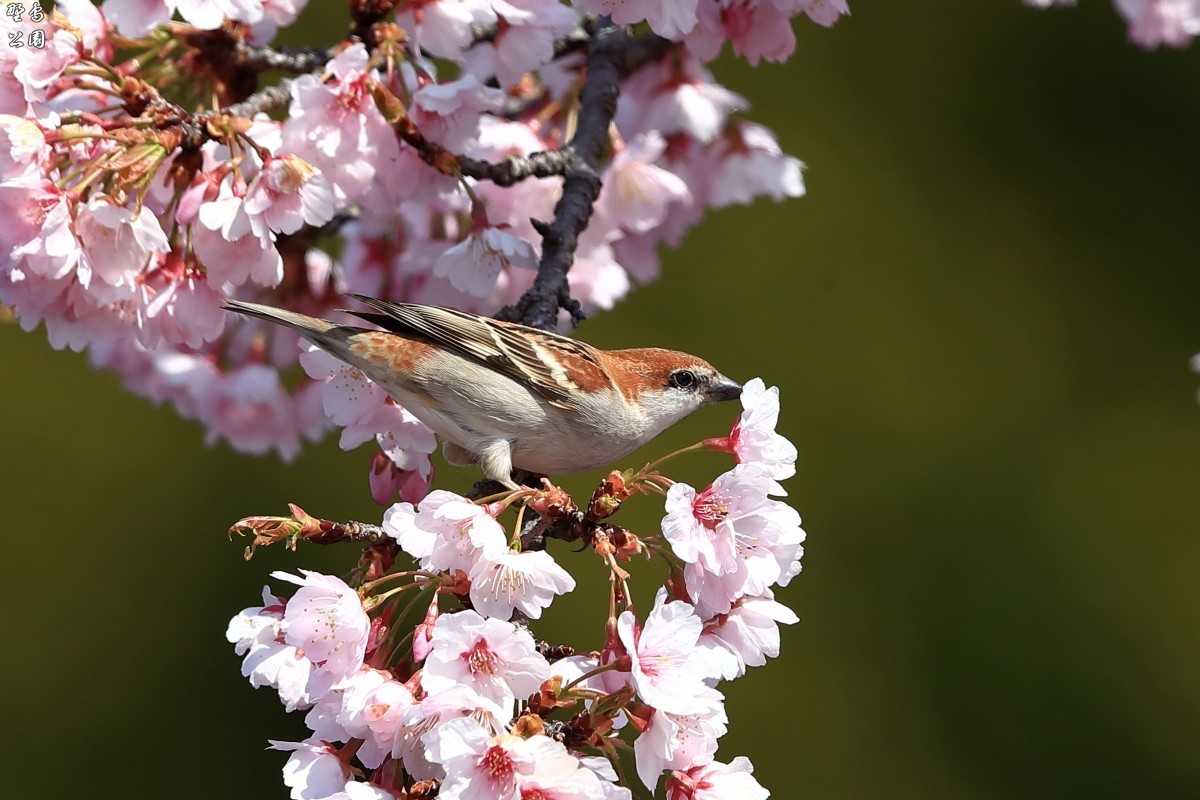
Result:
980,319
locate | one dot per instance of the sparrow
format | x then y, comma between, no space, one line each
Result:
507,396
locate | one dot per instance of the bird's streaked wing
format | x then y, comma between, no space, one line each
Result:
554,366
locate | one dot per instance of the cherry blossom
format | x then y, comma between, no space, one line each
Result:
447,532
419,733
717,781
22,147
340,706
466,710
754,439
680,741
183,310
490,656
443,27
357,790
287,193
118,242
249,406
773,559
822,12
326,620
676,96
139,17
257,634
142,193
313,771
756,30
525,40
637,191
364,411
452,111
665,672
335,126
474,264
746,636
517,581
1158,22
373,709
748,155
730,521
121,240
506,766
671,19
276,14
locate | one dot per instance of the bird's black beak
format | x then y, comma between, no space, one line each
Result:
722,389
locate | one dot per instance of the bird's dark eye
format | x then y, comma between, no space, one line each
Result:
683,379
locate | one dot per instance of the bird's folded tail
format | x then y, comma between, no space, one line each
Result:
304,324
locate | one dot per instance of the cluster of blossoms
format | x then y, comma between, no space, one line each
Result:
1152,23
423,678
133,209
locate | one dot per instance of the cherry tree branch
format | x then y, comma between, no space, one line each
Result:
302,525
224,49
295,60
539,306
611,55
644,49
273,96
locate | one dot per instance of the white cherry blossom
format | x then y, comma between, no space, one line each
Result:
510,581
326,620
666,672
492,657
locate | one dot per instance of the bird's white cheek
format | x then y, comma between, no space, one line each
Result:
664,409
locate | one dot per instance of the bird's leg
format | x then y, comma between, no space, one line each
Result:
496,460
500,460
526,478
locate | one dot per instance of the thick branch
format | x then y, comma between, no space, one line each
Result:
539,306
644,49
297,60
273,96
542,164
223,50
195,132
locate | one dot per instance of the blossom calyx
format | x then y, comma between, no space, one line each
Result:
608,496
529,725
136,96
553,502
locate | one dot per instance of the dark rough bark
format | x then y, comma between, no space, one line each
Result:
539,306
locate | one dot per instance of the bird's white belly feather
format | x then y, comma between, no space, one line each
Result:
473,406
